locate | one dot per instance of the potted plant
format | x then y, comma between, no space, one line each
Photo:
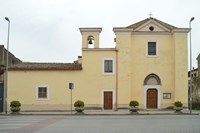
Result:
178,106
79,106
134,106
15,106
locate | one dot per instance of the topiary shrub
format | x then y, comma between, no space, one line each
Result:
178,104
15,104
79,104
133,103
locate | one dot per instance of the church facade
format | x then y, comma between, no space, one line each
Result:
149,64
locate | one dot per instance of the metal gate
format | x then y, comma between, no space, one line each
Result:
1,96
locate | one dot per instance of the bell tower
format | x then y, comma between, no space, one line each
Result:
90,37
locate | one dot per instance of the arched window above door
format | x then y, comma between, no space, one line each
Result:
152,79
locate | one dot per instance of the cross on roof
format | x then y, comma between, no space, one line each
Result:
150,14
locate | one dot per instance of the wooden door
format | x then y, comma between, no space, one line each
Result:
152,98
108,99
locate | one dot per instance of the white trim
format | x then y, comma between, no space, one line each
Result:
122,29
158,88
37,87
99,49
91,30
113,96
148,47
152,22
113,66
124,33
151,33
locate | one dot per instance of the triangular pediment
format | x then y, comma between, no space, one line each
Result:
151,24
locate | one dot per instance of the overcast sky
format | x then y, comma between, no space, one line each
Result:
48,30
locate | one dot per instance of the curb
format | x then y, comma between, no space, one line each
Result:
97,114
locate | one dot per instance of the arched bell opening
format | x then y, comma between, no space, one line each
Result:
90,40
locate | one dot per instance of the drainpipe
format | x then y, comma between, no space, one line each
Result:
116,80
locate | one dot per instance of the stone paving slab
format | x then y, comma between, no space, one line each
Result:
100,124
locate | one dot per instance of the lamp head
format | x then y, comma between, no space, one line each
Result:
6,18
191,19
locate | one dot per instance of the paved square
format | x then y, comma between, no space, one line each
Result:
101,124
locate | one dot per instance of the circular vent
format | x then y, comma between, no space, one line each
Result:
151,28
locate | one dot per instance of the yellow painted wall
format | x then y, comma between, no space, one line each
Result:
22,86
162,65
123,41
181,59
89,83
134,65
94,79
170,65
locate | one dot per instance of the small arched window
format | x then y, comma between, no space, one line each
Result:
90,40
152,79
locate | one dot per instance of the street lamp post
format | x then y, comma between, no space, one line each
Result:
7,54
190,65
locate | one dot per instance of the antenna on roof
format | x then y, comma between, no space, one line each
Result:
150,14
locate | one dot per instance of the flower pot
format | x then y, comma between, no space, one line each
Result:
178,109
133,109
15,109
79,109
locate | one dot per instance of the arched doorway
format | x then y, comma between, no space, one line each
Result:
152,85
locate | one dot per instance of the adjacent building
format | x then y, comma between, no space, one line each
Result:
195,74
149,64
11,61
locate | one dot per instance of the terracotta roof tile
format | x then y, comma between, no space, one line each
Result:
46,66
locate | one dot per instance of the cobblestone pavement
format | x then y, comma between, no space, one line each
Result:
100,124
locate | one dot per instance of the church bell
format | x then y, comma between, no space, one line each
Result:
90,40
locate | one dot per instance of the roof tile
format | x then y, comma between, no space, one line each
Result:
46,66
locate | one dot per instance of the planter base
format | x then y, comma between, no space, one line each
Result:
178,109
79,109
134,113
15,109
133,110
79,113
15,113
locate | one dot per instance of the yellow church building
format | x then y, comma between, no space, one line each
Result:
149,64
